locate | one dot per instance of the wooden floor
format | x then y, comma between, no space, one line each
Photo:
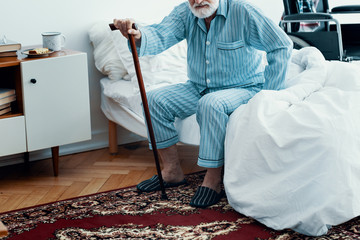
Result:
82,174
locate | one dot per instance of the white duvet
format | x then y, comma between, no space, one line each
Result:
292,157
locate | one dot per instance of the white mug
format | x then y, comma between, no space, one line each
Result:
53,40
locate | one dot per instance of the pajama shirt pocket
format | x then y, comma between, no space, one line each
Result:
230,54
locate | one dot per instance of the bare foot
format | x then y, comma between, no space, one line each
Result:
173,176
171,172
213,179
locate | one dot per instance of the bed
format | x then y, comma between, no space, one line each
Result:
292,157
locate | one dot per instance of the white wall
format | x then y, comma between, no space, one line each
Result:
24,20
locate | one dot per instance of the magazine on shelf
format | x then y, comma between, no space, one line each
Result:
6,92
5,108
9,99
5,111
6,105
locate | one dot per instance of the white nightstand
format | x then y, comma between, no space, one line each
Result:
52,106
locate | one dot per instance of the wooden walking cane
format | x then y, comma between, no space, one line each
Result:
146,108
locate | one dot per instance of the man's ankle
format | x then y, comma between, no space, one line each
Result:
213,179
172,175
171,171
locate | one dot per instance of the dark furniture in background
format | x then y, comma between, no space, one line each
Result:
336,41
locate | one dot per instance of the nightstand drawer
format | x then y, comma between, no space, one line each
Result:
12,137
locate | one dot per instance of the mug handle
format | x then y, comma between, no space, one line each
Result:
63,40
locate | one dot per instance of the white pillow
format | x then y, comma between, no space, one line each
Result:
168,67
106,58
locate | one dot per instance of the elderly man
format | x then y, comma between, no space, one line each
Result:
225,41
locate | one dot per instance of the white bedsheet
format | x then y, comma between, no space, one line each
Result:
292,157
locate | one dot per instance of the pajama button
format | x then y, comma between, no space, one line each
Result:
208,81
207,43
207,61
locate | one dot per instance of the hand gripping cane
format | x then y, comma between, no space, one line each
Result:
146,108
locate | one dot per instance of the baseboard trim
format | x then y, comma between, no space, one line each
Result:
99,140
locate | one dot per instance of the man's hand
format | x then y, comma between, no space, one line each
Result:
125,27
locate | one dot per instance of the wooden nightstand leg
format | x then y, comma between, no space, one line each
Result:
3,230
55,160
113,146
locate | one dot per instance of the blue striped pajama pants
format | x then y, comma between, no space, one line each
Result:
212,110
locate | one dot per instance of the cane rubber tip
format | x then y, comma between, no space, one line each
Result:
164,196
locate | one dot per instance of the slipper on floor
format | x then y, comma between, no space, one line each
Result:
205,197
153,184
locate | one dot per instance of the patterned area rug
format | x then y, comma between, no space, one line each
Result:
128,214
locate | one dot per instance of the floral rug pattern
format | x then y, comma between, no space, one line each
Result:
129,214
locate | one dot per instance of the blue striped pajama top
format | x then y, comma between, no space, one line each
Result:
229,53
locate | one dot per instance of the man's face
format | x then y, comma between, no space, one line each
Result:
203,8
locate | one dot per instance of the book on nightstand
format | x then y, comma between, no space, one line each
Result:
6,92
6,105
8,54
5,110
7,45
7,99
7,96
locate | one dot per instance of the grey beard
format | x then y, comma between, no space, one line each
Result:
200,14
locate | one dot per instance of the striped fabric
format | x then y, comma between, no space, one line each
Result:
153,184
212,109
150,185
205,197
228,54
225,70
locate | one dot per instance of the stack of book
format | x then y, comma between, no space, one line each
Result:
8,48
7,96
